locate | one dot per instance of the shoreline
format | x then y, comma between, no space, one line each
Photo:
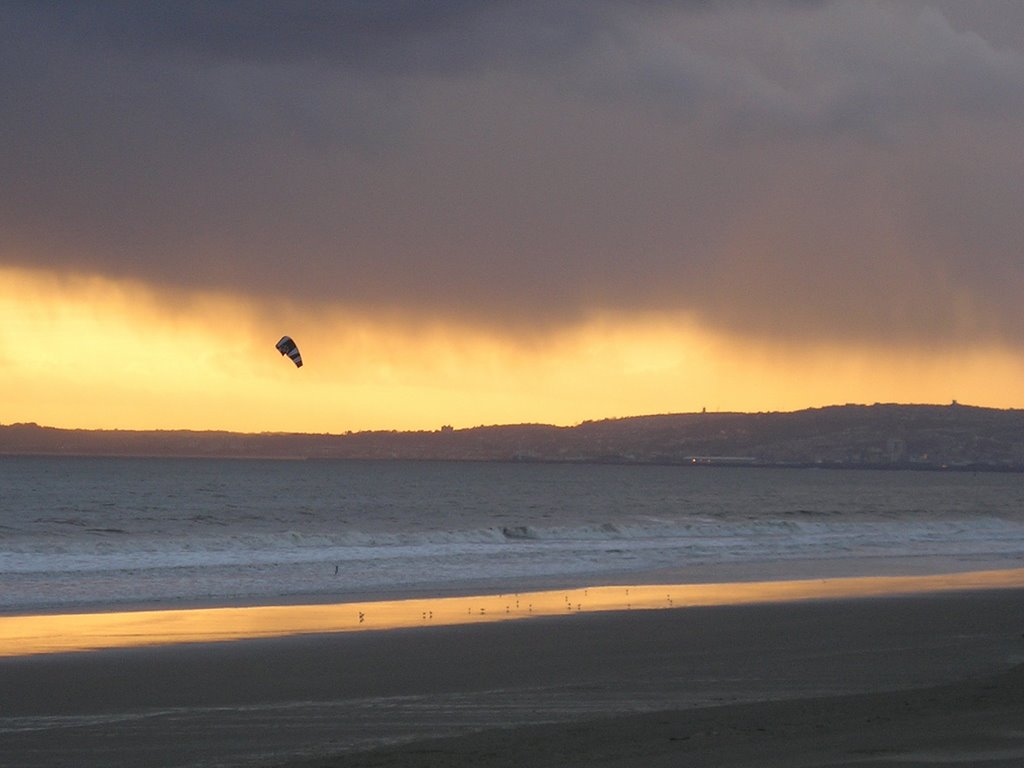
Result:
50,633
739,571
685,462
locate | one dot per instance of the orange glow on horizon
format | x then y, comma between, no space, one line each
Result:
60,633
91,353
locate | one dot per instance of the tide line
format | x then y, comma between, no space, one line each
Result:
26,635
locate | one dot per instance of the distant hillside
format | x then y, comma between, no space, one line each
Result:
896,436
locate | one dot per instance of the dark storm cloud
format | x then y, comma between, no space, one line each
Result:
811,169
382,36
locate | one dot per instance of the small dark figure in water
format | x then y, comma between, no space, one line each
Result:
335,570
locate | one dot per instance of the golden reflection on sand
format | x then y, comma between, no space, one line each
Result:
58,633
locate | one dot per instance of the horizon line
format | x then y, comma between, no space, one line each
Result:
444,428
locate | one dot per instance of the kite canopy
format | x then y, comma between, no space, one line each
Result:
287,347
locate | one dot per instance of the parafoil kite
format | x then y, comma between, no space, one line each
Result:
287,347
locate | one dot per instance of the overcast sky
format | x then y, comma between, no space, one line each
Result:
828,171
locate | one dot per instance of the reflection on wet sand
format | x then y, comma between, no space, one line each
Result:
58,633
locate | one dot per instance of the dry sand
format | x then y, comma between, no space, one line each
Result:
899,681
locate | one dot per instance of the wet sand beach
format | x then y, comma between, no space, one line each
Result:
902,680
977,722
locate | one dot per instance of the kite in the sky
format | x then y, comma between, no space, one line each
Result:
287,347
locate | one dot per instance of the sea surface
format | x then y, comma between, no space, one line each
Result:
82,533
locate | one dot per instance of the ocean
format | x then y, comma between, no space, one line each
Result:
89,533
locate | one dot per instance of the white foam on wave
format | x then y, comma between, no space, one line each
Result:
116,550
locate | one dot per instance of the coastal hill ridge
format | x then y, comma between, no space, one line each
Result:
844,436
